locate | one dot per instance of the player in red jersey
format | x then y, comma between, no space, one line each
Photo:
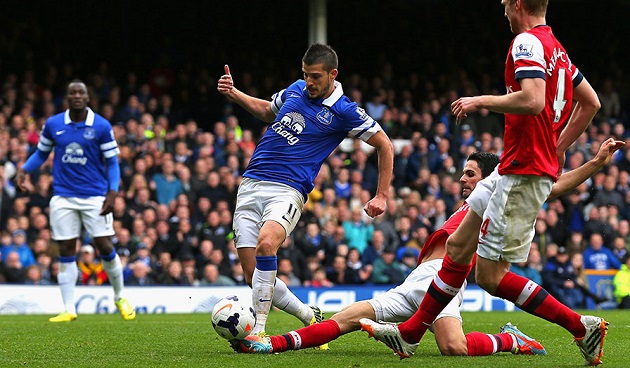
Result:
540,125
401,302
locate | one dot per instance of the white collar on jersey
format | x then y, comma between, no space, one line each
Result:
89,120
335,96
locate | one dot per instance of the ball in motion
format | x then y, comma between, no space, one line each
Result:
232,319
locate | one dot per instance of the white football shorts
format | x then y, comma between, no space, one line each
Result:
508,205
400,303
258,201
68,214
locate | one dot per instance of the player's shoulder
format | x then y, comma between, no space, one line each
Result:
526,40
56,119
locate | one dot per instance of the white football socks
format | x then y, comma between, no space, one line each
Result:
114,272
285,300
262,294
67,279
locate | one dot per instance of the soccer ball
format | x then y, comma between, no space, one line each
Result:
232,319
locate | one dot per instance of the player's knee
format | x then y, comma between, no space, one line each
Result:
265,247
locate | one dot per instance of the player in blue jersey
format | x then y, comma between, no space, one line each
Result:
307,120
86,176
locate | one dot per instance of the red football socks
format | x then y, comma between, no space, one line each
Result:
307,337
443,289
480,344
535,300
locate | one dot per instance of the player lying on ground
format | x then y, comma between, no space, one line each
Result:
393,306
390,334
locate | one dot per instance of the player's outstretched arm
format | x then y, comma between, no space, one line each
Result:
573,178
385,150
255,106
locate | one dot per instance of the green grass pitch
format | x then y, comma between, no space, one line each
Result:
189,341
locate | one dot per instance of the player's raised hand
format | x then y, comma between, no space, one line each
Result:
226,83
375,206
607,150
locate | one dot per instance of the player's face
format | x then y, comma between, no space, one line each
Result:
510,12
470,178
319,82
77,96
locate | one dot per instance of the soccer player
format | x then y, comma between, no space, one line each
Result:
401,302
307,120
86,176
540,124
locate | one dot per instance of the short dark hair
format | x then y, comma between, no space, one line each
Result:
321,54
485,160
536,7
75,81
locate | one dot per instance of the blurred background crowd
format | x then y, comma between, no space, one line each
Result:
184,147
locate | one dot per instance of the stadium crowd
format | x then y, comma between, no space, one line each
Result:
180,168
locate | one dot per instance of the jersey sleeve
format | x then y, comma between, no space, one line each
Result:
277,100
529,57
107,143
363,126
46,141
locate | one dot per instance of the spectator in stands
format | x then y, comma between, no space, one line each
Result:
311,242
175,275
608,194
621,283
342,184
91,271
386,270
19,246
597,224
33,276
619,248
14,271
166,184
598,257
285,267
141,274
341,274
557,228
357,230
211,277
531,268
560,279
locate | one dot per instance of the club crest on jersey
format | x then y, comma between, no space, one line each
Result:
524,50
74,154
325,116
89,133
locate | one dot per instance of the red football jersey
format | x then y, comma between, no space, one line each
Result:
442,233
530,140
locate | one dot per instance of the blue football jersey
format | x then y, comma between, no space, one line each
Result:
80,152
304,133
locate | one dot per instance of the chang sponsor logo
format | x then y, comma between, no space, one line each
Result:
290,126
74,155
